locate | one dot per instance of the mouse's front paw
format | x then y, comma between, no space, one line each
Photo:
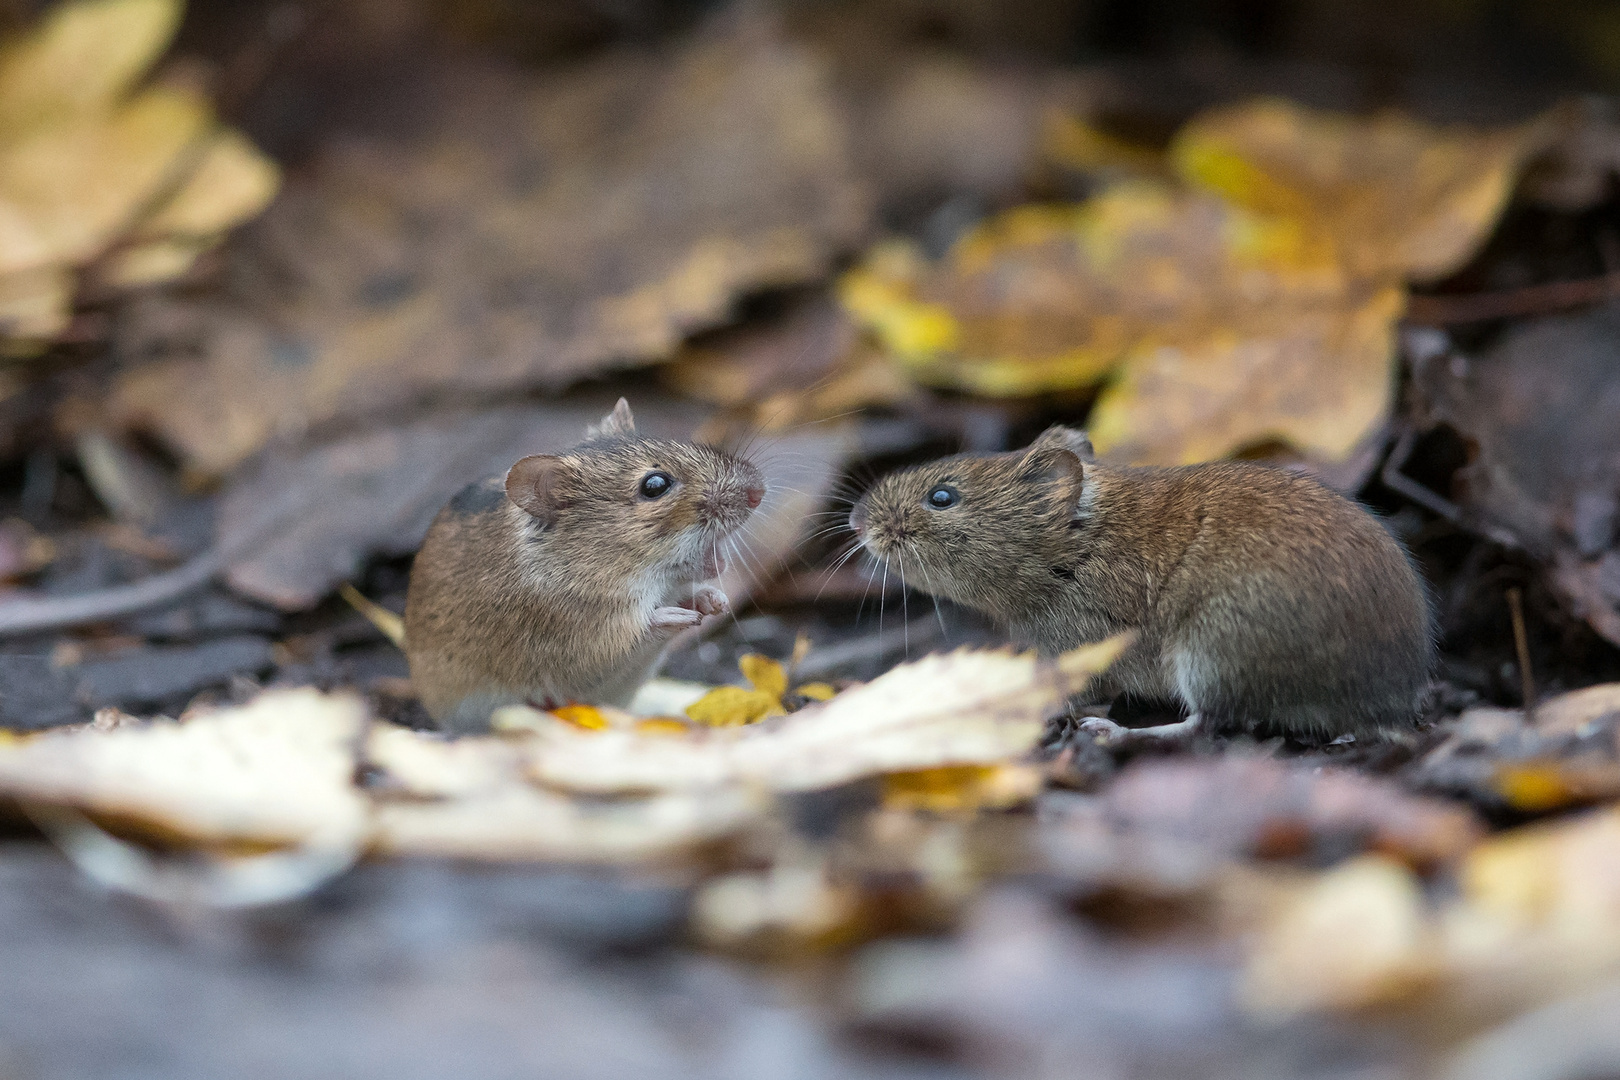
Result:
708,600
672,620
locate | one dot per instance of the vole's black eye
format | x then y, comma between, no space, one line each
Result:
942,498
656,484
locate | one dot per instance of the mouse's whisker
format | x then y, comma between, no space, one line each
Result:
932,595
883,596
838,564
905,604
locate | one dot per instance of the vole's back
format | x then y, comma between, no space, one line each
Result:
1266,600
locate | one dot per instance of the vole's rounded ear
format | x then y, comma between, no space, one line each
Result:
534,483
1055,465
1071,439
618,424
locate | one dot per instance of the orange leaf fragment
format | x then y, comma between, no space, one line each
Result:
588,717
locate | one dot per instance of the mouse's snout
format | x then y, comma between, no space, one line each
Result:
857,519
754,494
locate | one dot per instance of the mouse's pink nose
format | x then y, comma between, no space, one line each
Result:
755,496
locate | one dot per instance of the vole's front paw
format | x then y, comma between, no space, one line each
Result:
672,620
708,600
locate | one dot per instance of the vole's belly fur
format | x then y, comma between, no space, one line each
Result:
504,635
1274,635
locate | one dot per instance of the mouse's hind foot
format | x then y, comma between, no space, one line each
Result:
1111,735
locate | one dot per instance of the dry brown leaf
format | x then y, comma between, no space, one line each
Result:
1570,756
1544,470
961,708
277,771
520,231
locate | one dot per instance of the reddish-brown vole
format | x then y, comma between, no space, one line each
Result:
1261,600
564,580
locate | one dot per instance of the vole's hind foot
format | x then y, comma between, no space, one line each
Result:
672,620
1111,735
708,600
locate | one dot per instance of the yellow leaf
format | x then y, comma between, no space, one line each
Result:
816,691
764,674
961,788
732,706
232,182
1317,377
663,725
587,717
84,57
1075,144
1534,789
1254,302
78,184
1397,197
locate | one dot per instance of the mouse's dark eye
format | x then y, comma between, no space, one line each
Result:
656,484
942,498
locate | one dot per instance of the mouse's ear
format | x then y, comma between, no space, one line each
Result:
618,424
1067,438
534,483
1054,464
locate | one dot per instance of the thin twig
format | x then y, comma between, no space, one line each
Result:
1511,303
1521,643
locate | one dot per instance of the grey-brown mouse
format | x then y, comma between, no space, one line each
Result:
564,580
1261,600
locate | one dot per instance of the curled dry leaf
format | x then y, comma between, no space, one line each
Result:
961,708
517,230
87,167
469,798
1356,936
277,771
1254,302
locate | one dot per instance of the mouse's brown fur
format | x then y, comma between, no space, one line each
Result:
1261,599
563,581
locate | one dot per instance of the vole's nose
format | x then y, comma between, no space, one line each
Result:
755,494
857,519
